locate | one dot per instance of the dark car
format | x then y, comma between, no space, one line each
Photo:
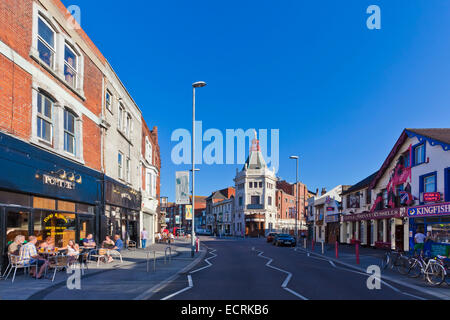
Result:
271,236
284,240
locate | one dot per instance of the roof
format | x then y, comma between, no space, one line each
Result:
434,136
255,161
361,184
440,135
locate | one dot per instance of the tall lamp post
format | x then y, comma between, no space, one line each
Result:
195,85
296,198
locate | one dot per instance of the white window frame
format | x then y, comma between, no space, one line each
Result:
120,116
77,63
128,169
43,117
74,134
110,105
120,165
39,38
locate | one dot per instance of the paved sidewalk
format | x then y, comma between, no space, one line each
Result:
371,256
113,281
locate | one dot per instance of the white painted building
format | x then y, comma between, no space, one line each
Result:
255,205
326,207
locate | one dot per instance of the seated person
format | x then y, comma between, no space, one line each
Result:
29,255
108,243
14,247
118,245
89,242
73,250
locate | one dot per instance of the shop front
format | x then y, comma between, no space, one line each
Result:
434,221
44,195
385,229
332,228
122,206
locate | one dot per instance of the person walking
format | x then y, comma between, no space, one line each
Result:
144,237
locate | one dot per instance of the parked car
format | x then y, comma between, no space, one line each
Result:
271,236
284,240
203,232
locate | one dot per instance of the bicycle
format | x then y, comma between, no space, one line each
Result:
432,270
396,259
445,262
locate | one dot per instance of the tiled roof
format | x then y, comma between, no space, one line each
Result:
442,134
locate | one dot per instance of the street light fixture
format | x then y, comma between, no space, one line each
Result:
199,84
296,198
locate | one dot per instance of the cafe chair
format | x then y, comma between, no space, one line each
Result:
58,262
16,264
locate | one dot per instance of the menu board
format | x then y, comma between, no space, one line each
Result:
440,249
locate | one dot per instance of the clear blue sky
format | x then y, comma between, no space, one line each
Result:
339,93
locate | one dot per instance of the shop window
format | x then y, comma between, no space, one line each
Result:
43,203
15,198
60,227
66,206
16,224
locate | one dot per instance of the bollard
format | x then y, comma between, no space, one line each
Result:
304,243
312,245
323,247
148,259
337,252
154,260
357,252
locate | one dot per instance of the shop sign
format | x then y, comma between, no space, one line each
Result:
381,214
432,196
332,218
330,208
57,182
441,209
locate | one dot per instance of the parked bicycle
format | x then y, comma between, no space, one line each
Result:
431,268
445,262
397,259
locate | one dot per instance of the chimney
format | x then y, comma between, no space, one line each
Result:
324,190
317,191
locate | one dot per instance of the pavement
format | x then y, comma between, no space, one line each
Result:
251,269
114,281
369,257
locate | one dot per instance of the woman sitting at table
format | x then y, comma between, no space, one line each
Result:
108,243
73,250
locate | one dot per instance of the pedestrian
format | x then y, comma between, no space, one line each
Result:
144,237
419,240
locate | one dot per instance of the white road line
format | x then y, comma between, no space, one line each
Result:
191,285
190,282
366,274
288,278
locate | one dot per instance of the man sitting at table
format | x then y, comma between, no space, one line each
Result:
89,242
118,245
14,247
28,255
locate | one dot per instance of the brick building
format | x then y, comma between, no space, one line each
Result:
65,118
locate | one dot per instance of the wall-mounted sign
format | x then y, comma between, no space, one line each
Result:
177,220
440,209
332,218
57,182
380,214
330,208
432,196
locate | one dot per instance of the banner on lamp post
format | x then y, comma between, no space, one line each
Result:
182,187
188,212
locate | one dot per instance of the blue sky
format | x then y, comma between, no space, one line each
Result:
339,93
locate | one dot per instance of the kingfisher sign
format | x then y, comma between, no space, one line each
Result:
440,209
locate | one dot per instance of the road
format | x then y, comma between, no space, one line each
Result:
252,269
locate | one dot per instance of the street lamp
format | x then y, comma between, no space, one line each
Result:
296,198
195,85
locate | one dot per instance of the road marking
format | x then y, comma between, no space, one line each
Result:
288,278
207,261
190,282
366,274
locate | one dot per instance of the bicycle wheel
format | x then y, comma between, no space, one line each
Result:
386,260
402,264
435,274
415,269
